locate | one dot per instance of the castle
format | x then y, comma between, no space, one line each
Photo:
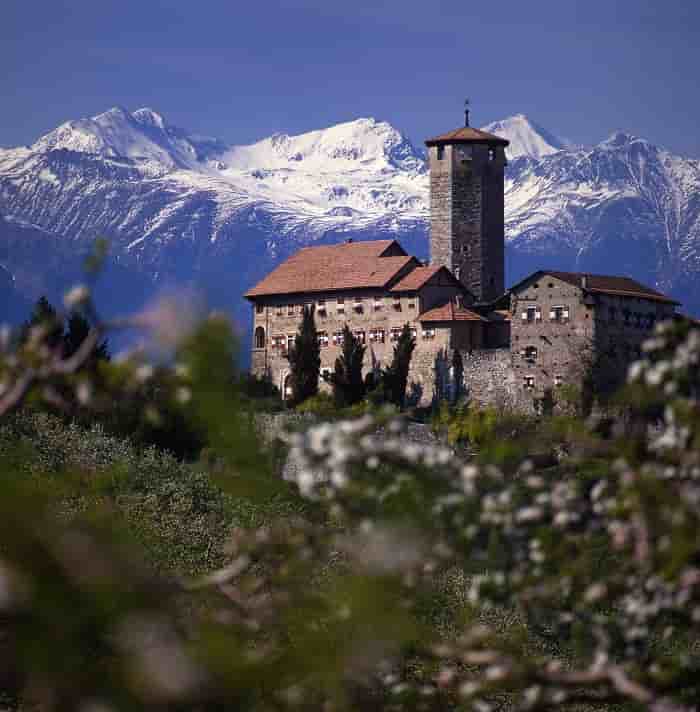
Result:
517,345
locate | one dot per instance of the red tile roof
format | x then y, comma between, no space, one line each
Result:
466,134
450,312
350,265
608,284
416,278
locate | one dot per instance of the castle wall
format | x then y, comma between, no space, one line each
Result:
489,380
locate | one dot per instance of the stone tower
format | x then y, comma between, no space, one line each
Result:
466,208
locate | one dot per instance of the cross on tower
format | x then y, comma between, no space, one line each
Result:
466,112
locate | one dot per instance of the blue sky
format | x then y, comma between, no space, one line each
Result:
241,71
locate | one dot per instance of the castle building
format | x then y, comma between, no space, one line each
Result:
546,331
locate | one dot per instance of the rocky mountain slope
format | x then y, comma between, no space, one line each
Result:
181,209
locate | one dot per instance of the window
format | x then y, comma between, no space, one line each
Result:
551,285
612,314
322,338
326,374
358,306
652,320
529,382
492,153
278,342
530,353
378,303
377,335
290,341
429,333
290,310
440,152
412,303
558,381
260,338
340,305
359,335
321,307
338,338
279,309
259,308
626,313
414,332
396,333
531,314
397,303
559,314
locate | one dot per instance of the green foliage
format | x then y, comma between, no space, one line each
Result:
305,359
322,405
395,376
347,381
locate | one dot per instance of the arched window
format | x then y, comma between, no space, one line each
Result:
260,338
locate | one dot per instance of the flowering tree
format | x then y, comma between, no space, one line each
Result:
402,578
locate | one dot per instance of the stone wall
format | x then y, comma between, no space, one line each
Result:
489,379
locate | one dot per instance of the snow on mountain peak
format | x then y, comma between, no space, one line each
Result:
149,117
526,137
365,141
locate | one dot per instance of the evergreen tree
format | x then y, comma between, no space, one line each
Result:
304,359
396,375
457,374
44,315
78,329
348,385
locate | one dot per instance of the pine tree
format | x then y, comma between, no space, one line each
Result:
44,315
304,360
348,385
396,375
78,329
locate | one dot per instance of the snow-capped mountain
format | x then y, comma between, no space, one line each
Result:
527,139
185,209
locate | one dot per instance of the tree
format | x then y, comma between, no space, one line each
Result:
77,330
44,315
348,385
457,374
305,359
395,377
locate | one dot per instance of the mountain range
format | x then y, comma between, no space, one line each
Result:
182,210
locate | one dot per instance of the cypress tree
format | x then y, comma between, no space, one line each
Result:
396,376
457,373
348,385
304,359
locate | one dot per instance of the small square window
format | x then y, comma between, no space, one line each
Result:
529,382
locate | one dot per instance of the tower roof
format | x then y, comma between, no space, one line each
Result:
466,134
